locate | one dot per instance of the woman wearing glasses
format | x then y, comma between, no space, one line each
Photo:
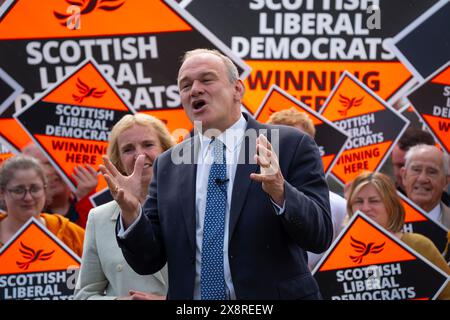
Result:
22,190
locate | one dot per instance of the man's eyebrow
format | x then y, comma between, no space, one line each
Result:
202,74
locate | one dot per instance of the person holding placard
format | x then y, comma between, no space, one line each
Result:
375,195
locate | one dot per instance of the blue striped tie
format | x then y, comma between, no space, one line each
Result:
212,280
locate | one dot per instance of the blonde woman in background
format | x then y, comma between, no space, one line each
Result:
375,195
104,273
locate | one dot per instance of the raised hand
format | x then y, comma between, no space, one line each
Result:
126,190
86,179
270,174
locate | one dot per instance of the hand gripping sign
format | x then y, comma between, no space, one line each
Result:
431,99
329,138
36,265
71,121
374,127
366,262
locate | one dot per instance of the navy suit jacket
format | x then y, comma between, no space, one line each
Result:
267,252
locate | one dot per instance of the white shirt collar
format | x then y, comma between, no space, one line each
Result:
231,137
435,213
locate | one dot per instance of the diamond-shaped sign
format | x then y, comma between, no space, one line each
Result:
416,220
431,99
368,263
423,45
9,90
373,126
137,43
35,264
79,113
304,46
329,138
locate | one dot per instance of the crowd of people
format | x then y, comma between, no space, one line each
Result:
231,212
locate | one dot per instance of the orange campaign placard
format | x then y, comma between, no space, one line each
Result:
10,131
373,126
79,113
177,122
36,265
303,47
329,138
431,100
312,81
9,90
366,262
411,114
5,153
138,44
422,45
417,220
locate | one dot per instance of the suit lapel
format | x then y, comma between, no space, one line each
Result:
242,180
187,174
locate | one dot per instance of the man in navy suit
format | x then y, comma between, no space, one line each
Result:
277,205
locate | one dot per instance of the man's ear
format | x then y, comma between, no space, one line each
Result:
403,174
239,89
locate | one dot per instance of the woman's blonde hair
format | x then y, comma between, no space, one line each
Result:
388,194
127,122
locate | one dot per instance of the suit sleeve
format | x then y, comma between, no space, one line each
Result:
92,281
307,216
143,247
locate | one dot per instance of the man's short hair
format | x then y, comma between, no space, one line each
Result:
232,70
414,136
293,117
418,148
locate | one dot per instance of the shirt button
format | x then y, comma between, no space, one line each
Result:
119,268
